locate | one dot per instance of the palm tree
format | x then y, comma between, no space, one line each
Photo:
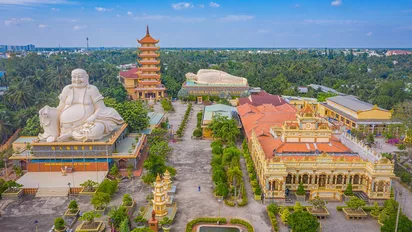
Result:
19,96
6,125
235,174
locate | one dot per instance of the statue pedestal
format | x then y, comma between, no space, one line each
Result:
154,225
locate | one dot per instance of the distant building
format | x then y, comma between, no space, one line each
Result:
17,48
354,113
299,102
213,110
325,89
302,89
398,52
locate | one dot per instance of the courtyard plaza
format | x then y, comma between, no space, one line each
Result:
191,158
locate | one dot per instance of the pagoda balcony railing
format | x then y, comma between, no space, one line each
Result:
149,48
149,61
149,55
149,69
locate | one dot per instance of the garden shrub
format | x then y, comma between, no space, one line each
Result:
191,224
246,224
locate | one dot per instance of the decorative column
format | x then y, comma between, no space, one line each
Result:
159,198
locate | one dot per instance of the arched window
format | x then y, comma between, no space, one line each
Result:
289,179
339,179
380,186
356,179
305,178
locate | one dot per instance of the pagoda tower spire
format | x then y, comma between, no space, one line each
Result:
147,30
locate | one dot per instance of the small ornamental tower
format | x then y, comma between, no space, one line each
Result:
167,181
159,197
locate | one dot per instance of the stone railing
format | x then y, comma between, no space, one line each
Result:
360,147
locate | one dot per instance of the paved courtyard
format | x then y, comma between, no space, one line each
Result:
191,158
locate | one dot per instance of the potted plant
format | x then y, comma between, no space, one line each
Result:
300,193
318,208
140,221
89,186
127,200
141,209
59,224
100,200
348,193
166,222
355,208
89,223
73,207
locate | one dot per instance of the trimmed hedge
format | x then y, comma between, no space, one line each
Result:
365,208
243,223
273,220
182,126
191,224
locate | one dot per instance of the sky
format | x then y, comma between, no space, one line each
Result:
217,23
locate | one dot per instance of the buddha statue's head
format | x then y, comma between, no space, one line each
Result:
80,78
191,76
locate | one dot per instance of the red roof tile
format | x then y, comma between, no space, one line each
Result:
262,98
132,73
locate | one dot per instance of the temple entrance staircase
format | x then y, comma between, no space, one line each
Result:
363,196
53,192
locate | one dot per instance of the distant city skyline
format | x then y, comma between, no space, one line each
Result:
241,23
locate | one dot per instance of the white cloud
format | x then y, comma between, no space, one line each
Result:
118,16
43,26
202,6
79,27
296,6
33,2
214,4
369,34
336,3
101,9
16,21
169,18
232,18
55,9
181,5
130,13
329,21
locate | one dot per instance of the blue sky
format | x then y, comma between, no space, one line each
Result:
217,23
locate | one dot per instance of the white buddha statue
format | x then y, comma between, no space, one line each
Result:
81,113
211,76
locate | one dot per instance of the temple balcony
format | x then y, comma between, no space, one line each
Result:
149,75
155,48
149,69
149,62
152,55
159,87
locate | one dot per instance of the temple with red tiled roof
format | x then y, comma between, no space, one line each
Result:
289,147
262,97
144,81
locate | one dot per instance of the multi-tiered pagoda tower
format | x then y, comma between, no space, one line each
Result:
144,82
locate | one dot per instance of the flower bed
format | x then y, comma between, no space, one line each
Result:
354,213
246,224
257,191
93,227
86,193
272,218
323,213
12,194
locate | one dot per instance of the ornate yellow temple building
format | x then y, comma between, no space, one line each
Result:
303,150
144,82
351,112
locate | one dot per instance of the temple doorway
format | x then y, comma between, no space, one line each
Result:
150,95
122,164
322,181
23,165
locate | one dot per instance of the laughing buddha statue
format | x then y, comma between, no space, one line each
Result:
81,114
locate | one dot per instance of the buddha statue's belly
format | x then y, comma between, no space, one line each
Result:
76,115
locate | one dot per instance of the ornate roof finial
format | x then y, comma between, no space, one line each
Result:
147,30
